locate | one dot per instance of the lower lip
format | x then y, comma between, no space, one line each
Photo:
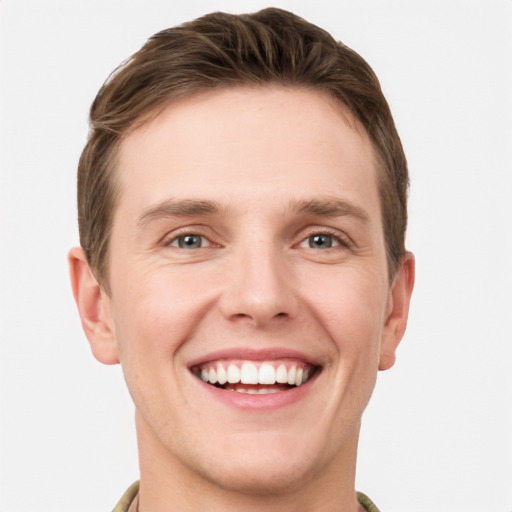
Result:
269,401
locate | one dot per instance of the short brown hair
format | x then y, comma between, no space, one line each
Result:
221,50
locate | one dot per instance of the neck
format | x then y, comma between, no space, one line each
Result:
165,480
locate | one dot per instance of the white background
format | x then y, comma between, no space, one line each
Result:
437,435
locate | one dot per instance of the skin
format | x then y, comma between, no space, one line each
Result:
257,283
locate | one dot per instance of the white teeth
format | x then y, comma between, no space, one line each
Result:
221,375
249,374
212,376
260,391
281,374
267,374
291,375
264,373
298,377
267,391
233,374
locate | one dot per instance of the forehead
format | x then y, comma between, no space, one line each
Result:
247,143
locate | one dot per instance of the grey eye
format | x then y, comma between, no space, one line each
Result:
320,241
189,241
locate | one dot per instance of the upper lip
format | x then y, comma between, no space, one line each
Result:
254,354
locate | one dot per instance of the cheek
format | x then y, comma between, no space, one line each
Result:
351,310
350,303
154,315
158,309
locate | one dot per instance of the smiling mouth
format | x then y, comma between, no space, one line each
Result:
255,377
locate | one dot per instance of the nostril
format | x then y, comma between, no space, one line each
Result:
242,315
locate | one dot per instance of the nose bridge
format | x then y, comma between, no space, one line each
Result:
259,286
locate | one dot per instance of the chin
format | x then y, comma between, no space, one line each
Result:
264,466
262,477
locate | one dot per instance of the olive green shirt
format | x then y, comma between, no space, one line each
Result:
128,502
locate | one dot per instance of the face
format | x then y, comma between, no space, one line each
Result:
250,301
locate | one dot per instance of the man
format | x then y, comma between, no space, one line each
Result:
242,209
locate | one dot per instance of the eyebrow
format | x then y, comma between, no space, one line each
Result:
326,207
179,208
330,207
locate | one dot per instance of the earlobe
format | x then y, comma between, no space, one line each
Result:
94,308
398,311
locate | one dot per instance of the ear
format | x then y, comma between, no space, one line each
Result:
94,308
397,311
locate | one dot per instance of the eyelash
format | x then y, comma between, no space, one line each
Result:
340,239
174,241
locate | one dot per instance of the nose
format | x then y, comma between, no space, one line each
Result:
259,289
